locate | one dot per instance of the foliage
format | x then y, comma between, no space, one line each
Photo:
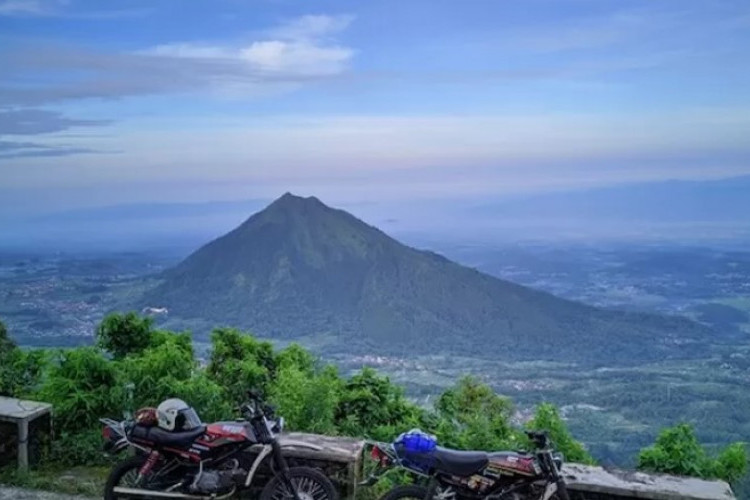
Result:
80,386
6,343
240,362
122,334
84,384
547,418
472,416
20,371
83,448
154,371
372,406
677,451
307,401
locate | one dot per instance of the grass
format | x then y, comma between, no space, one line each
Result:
86,481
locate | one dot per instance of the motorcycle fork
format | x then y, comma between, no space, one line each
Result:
283,467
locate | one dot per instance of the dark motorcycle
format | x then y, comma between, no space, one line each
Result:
216,461
450,474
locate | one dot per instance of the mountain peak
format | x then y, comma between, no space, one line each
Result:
291,200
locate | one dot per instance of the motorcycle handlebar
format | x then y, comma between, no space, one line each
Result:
539,438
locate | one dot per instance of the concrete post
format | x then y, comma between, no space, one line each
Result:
23,444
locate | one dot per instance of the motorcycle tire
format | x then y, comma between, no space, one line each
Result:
407,491
117,474
309,483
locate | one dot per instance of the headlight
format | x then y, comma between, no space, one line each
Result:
558,458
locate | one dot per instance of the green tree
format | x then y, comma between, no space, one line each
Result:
471,415
8,352
155,372
240,362
372,406
547,418
677,451
307,400
20,370
123,334
6,343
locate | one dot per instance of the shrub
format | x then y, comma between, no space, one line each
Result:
677,451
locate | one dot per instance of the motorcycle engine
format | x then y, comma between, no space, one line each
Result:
213,481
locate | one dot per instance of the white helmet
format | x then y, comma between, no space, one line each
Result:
175,415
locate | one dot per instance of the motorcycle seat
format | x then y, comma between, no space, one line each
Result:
459,463
162,437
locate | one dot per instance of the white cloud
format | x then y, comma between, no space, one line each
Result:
302,47
304,51
302,57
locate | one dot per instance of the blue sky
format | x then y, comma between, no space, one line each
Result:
129,101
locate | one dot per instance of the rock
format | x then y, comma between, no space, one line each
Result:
631,484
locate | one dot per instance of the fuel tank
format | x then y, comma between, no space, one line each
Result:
505,463
223,433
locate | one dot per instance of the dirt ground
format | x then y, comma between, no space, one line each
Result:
20,494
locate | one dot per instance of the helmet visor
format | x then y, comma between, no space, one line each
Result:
190,419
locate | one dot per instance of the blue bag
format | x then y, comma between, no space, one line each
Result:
417,441
414,450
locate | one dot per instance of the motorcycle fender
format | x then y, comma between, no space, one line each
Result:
550,490
265,451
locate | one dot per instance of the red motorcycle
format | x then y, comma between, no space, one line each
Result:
210,462
447,474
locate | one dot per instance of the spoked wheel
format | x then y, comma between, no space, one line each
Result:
309,484
125,475
406,492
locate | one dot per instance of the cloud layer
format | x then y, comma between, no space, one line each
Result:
299,51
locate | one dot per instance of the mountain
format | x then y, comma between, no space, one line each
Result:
299,268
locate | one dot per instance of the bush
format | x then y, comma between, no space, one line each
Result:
240,362
307,401
677,451
371,406
79,448
547,418
80,386
472,416
21,371
123,334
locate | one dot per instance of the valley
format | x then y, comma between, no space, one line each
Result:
57,299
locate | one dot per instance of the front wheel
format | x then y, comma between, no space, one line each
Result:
406,492
309,484
124,474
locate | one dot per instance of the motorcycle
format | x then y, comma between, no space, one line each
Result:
216,461
451,474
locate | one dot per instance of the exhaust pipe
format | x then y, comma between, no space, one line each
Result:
137,492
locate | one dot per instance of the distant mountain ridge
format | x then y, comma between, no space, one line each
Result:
302,269
664,201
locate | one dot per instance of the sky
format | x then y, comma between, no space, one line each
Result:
113,102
